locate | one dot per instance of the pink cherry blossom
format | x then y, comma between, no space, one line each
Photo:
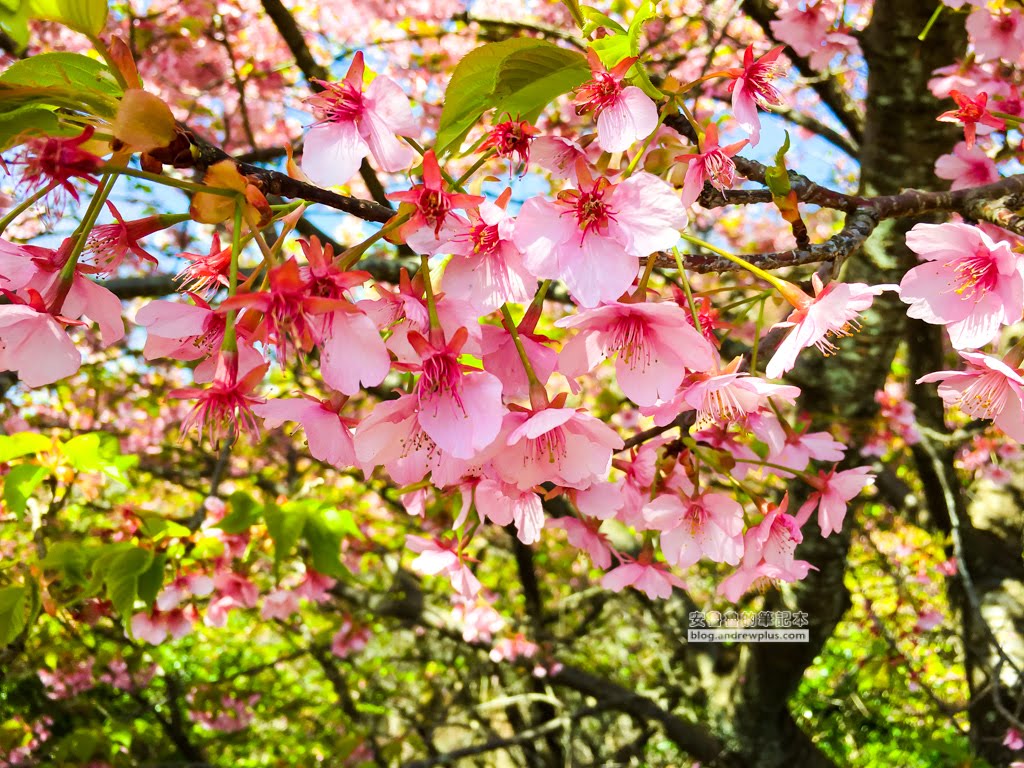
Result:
833,44
833,491
433,206
768,554
752,88
204,274
392,436
512,648
486,268
437,557
562,445
352,123
705,525
988,389
970,283
1013,740
19,264
180,331
713,164
966,167
585,535
997,35
110,244
973,115
599,223
225,407
34,344
793,449
501,358
831,313
504,504
723,396
558,155
655,344
803,29
327,432
625,114
459,408
479,621
315,587
349,639
279,604
653,579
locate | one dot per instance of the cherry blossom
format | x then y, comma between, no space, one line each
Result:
752,88
970,283
705,525
966,167
644,575
832,313
988,389
225,407
351,123
998,35
327,432
974,116
713,164
34,344
768,554
655,345
833,491
625,114
599,223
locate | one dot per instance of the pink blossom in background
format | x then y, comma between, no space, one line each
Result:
279,604
998,35
969,283
654,344
349,639
833,491
586,536
436,557
352,123
625,114
987,389
803,29
653,579
966,167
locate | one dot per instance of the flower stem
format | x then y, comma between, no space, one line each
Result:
766,276
168,181
931,22
757,337
230,343
428,289
536,387
351,256
473,168
67,272
23,206
641,288
686,289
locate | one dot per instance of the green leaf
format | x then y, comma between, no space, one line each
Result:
30,121
521,76
157,528
86,16
324,532
284,524
22,444
68,557
245,512
19,485
99,452
12,613
68,70
14,21
612,49
777,176
122,578
152,579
